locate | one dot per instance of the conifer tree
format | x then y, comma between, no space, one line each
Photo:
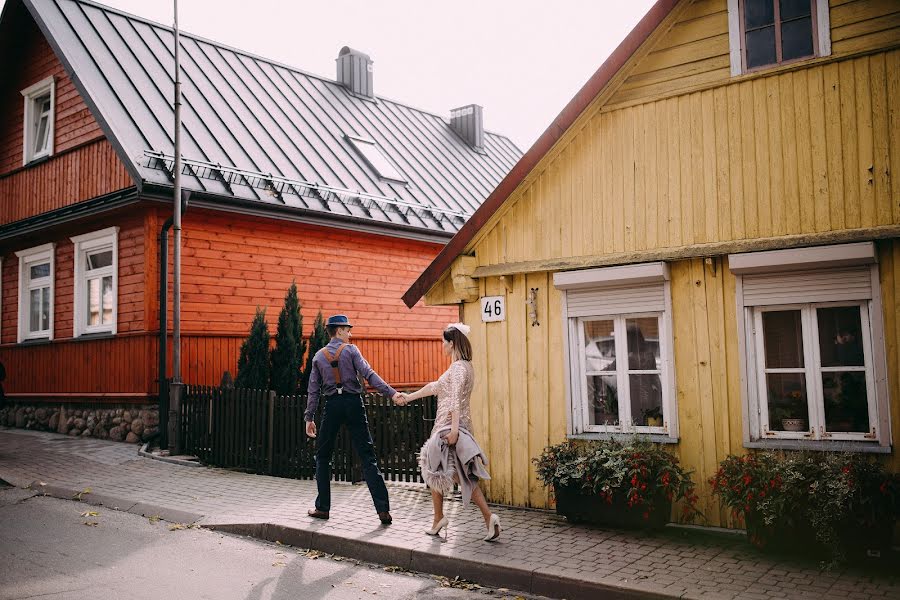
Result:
253,363
287,356
317,339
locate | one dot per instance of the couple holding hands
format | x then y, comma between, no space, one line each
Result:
449,456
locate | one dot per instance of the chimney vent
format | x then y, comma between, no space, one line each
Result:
354,72
468,123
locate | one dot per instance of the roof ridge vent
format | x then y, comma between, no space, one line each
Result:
355,72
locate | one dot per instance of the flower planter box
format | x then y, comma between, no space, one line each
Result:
579,507
858,543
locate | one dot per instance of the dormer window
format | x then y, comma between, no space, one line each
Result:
40,100
769,33
371,153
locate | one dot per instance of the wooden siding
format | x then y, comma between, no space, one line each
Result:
83,165
233,264
693,54
114,365
801,152
131,278
127,365
519,405
33,60
64,179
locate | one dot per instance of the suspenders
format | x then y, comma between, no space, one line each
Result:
333,361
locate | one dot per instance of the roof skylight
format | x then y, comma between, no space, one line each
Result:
372,154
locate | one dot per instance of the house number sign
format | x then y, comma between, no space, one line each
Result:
493,308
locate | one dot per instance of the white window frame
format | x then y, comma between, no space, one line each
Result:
805,262
31,256
574,356
85,244
822,43
31,94
812,371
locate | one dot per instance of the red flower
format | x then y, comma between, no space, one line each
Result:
747,479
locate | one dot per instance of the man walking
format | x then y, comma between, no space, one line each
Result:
334,376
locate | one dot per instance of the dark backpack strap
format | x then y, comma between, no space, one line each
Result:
334,361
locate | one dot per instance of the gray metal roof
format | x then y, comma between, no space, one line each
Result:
255,115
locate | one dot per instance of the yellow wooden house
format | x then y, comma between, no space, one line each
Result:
719,206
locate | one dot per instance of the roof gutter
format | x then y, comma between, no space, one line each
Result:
541,147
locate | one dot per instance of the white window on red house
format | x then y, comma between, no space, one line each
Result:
96,278
814,359
39,120
767,33
36,293
619,361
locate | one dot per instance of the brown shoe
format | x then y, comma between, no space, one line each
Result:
385,518
317,514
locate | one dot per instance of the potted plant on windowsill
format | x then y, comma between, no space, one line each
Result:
620,484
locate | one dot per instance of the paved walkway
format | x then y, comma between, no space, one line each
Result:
538,551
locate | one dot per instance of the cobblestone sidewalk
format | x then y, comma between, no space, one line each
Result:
538,552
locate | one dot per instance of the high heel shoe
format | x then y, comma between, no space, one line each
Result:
444,524
493,529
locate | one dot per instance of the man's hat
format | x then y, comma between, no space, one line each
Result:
338,321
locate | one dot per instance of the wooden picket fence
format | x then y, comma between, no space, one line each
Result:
260,432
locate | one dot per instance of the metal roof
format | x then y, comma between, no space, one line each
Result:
256,116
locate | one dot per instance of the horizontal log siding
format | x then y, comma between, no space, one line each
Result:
694,52
232,264
131,278
84,165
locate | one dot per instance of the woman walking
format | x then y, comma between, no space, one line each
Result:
451,454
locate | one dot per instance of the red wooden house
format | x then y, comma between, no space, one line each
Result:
291,176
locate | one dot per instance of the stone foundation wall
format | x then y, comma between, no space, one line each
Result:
132,424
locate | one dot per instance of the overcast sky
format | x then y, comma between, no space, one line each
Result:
522,60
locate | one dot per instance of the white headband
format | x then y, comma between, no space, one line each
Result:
460,327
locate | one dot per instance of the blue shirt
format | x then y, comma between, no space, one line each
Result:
351,361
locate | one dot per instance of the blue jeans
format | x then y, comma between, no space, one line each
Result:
349,410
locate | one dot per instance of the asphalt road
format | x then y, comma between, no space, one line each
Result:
58,549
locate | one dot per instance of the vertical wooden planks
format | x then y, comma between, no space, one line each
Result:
539,402
517,397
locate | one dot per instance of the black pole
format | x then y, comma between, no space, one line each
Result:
163,326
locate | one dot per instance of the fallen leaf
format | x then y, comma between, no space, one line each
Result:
277,543
91,523
278,564
81,493
177,526
153,518
90,513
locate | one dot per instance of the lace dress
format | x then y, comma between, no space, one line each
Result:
453,390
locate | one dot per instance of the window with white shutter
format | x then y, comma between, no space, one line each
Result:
619,350
813,355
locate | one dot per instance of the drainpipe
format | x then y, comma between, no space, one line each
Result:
163,327
177,386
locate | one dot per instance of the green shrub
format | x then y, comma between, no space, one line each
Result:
253,362
287,356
